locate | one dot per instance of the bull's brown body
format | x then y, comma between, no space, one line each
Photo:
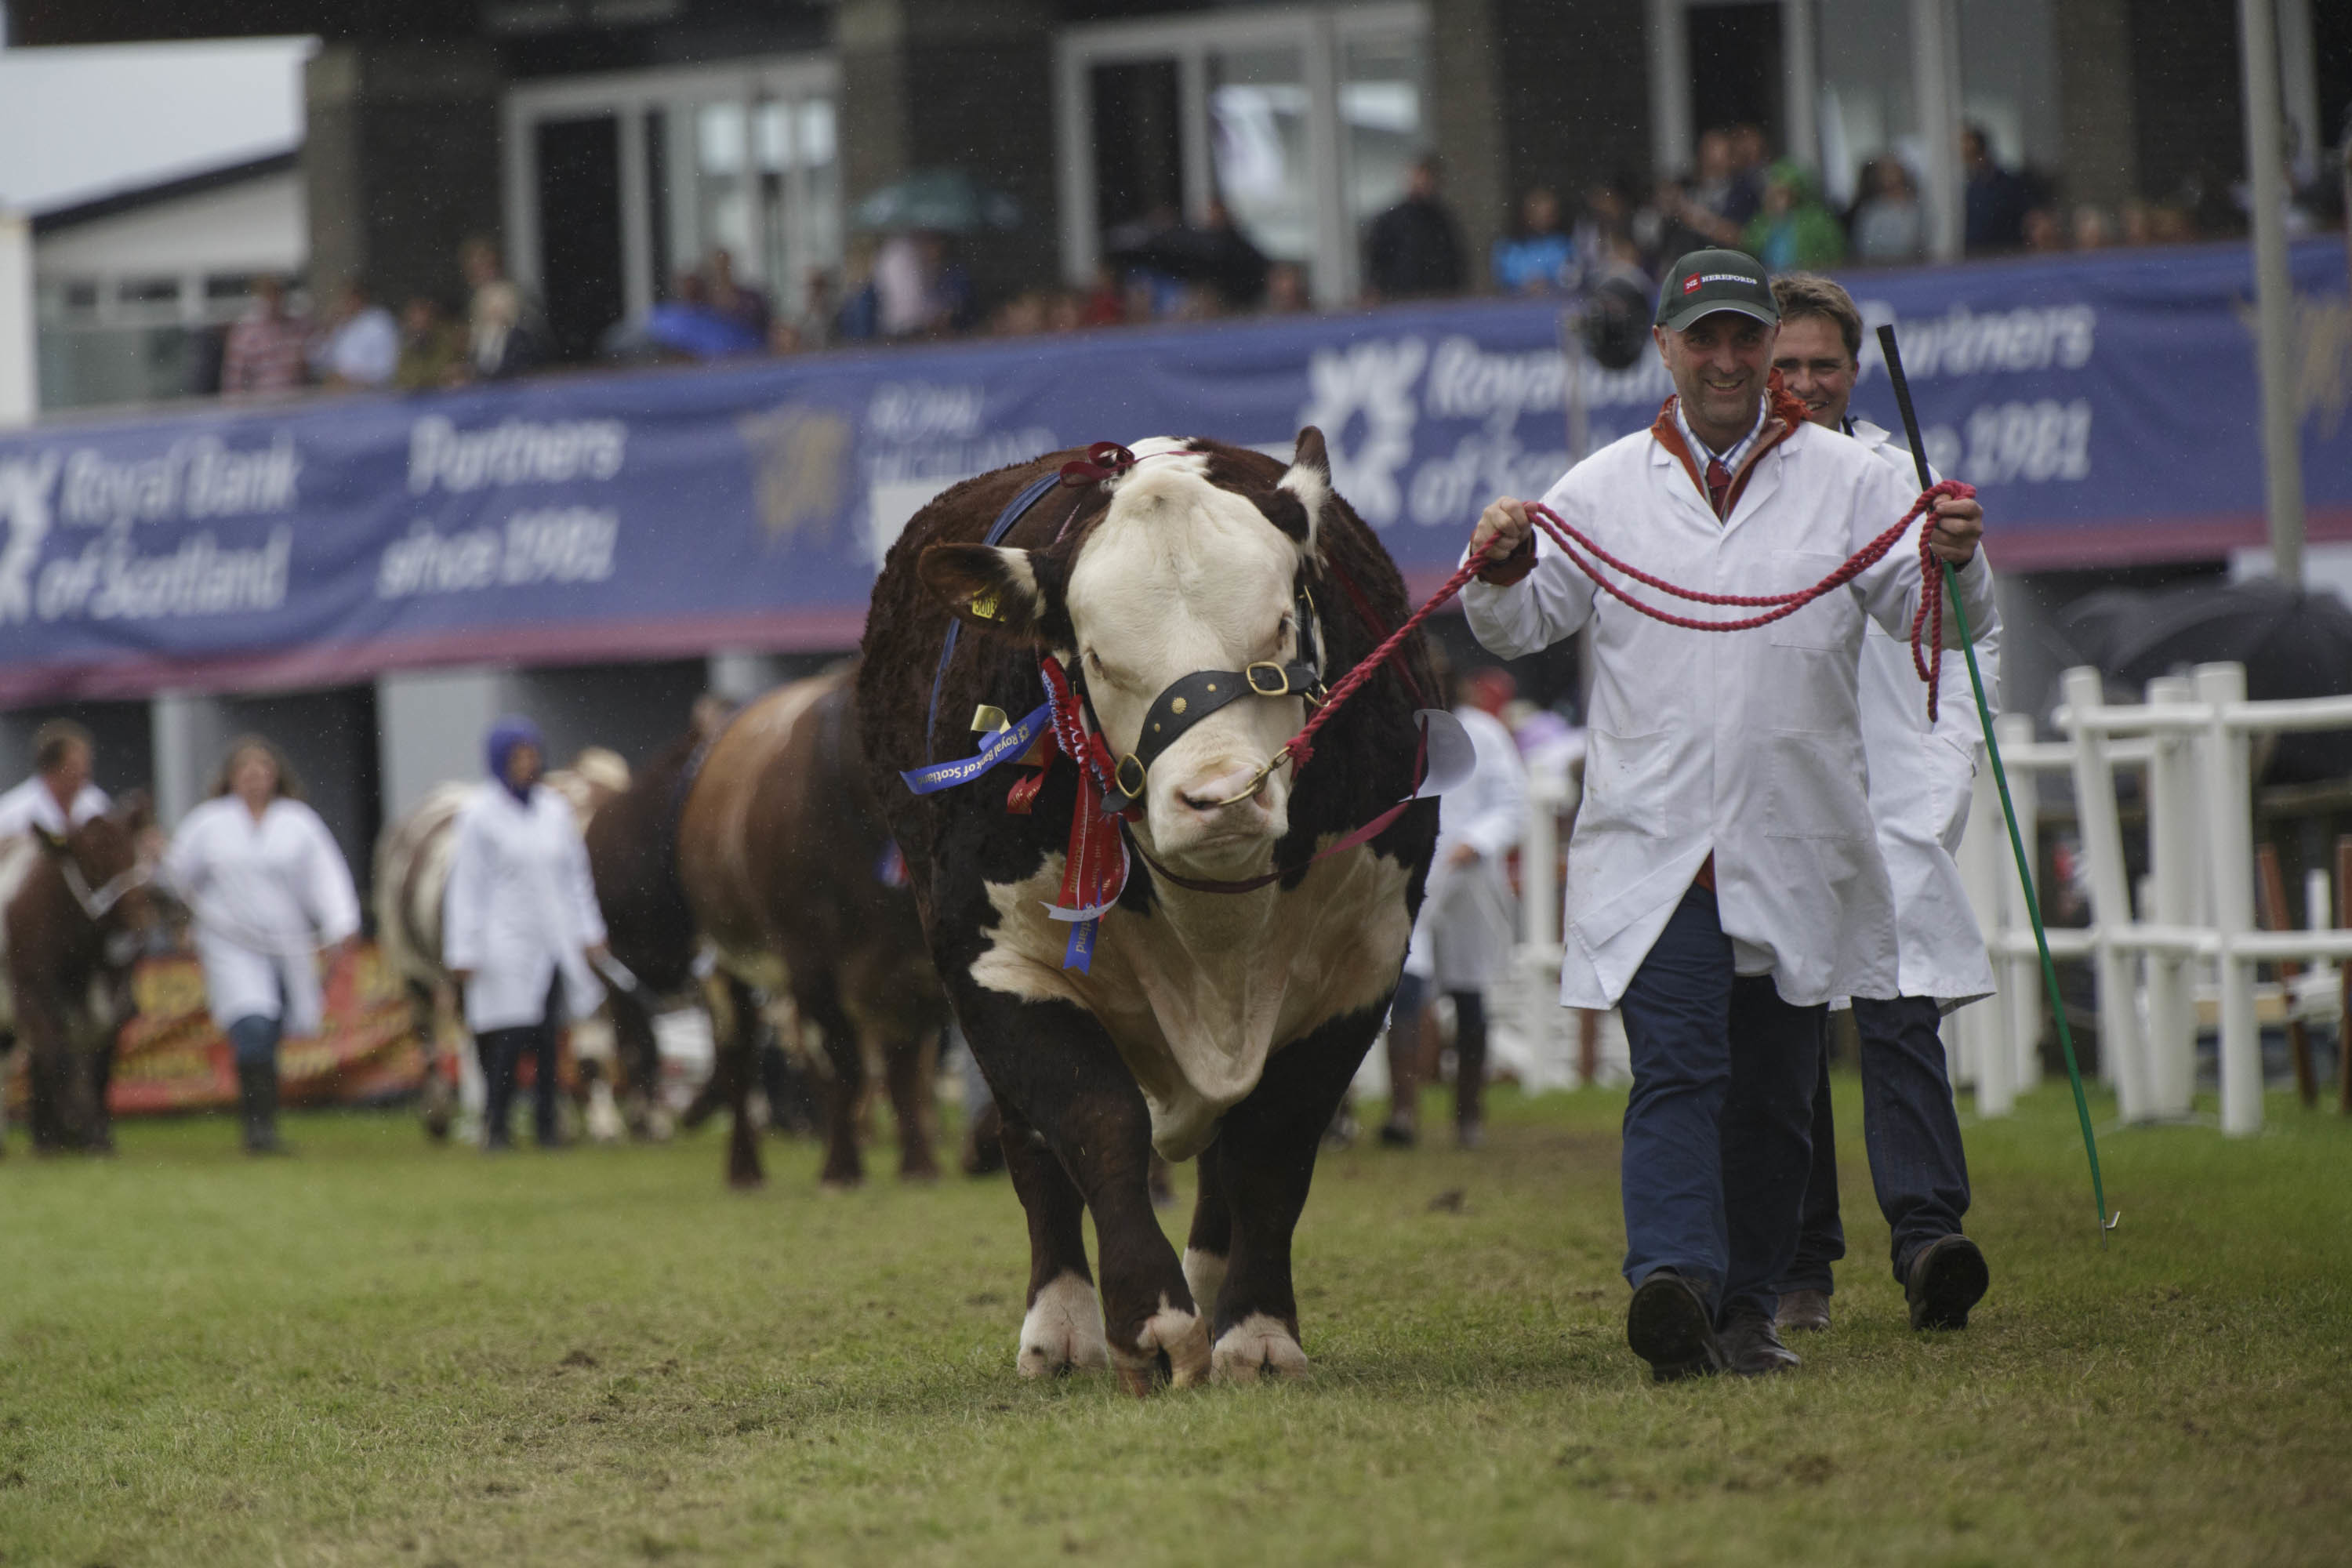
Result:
763,841
69,975
1089,1068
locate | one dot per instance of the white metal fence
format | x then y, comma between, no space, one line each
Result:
2187,946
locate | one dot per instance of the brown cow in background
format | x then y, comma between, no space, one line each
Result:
74,913
758,838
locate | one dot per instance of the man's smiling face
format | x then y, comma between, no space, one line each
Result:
1815,368
1718,363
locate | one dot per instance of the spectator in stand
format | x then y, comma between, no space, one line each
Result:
264,354
1105,304
1793,231
1663,229
1066,312
1722,197
1888,223
951,280
432,347
2093,229
739,302
2042,232
360,347
502,336
859,320
1996,199
1751,160
1608,215
1286,289
816,323
1414,250
905,287
1537,257
1023,316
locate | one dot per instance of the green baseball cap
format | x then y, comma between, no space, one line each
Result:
1706,281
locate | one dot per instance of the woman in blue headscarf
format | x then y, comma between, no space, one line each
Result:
520,929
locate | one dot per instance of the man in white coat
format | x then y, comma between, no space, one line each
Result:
59,797
1463,940
1921,775
1725,881
520,929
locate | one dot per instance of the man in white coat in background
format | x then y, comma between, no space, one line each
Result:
1468,926
1921,776
520,929
59,797
1724,880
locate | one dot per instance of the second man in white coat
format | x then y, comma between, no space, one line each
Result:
520,929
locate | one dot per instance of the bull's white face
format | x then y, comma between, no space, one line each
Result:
1182,576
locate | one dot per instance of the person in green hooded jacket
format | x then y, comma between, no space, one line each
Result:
1792,231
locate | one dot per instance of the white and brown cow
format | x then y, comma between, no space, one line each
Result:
1220,1024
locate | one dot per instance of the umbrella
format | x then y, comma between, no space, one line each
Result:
2292,644
948,201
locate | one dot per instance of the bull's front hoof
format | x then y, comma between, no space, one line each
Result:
924,1170
1172,1348
1259,1346
1063,1332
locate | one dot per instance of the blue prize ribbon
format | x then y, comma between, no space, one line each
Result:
1003,746
1080,952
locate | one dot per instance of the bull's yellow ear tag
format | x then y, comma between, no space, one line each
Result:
983,605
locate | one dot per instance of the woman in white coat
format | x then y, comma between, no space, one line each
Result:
520,929
269,889
1462,942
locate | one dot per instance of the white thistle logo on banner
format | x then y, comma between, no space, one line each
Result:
25,502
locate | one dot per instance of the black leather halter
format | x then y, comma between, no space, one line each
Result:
1187,701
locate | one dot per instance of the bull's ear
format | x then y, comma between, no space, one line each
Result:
1308,483
989,588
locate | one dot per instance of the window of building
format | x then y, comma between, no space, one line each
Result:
1302,122
618,185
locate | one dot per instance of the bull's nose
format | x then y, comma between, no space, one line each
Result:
1215,794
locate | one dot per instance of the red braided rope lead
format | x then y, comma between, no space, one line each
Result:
1927,625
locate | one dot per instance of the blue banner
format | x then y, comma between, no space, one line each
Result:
2106,407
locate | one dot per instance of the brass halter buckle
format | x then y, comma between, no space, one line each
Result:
1278,677
1120,776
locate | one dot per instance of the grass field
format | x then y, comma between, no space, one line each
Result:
384,1354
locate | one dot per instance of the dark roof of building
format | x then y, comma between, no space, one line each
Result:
114,204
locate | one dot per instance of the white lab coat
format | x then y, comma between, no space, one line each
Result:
1921,778
1746,746
266,895
520,907
1468,924
30,805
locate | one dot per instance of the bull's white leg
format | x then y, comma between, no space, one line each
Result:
1181,1336
1204,1276
1259,1345
1064,1330
604,1124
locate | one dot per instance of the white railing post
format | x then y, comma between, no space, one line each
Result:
2021,974
1986,1057
2229,832
2172,871
2102,851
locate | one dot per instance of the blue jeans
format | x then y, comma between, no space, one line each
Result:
1909,1128
1717,1147
254,1038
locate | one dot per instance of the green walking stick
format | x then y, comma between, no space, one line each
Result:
2001,779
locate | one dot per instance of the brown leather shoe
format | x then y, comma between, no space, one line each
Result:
1751,1348
1803,1312
1946,1278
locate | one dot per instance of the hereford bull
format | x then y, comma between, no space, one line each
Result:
760,839
1245,970
74,913
411,878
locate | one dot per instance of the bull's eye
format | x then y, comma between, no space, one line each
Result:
1094,661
